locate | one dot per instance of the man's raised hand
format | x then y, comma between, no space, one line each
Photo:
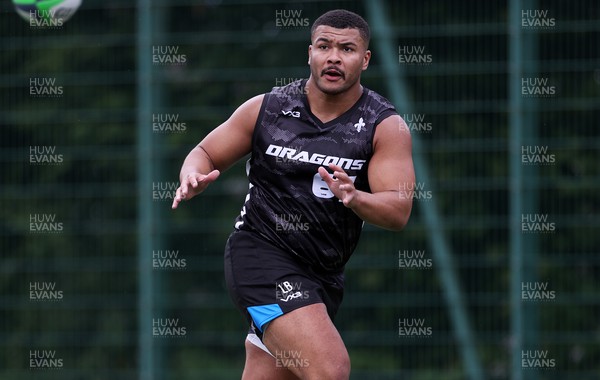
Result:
193,184
340,184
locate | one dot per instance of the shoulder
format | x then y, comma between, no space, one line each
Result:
392,131
247,113
253,103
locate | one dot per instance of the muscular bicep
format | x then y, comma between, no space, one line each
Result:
391,167
232,140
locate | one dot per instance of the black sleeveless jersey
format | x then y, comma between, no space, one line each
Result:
288,203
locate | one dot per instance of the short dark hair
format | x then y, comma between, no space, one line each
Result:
342,19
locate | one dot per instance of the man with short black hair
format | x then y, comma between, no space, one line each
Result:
327,154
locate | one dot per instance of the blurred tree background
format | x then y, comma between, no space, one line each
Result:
72,204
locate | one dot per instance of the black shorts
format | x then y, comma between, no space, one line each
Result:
266,282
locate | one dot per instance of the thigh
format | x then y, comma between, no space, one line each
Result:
307,342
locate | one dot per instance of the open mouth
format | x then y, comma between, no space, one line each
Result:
332,74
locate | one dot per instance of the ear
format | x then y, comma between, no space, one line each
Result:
366,59
309,52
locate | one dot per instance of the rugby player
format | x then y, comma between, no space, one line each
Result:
327,155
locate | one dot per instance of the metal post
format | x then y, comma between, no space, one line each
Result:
144,186
515,185
523,196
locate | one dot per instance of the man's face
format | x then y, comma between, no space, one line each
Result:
336,58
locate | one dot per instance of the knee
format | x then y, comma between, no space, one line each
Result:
340,369
335,367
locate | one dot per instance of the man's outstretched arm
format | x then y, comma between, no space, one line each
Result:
220,149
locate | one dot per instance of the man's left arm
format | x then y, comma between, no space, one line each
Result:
391,178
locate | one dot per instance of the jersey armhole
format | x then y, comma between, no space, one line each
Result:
261,113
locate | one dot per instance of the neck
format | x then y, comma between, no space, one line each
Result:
329,106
